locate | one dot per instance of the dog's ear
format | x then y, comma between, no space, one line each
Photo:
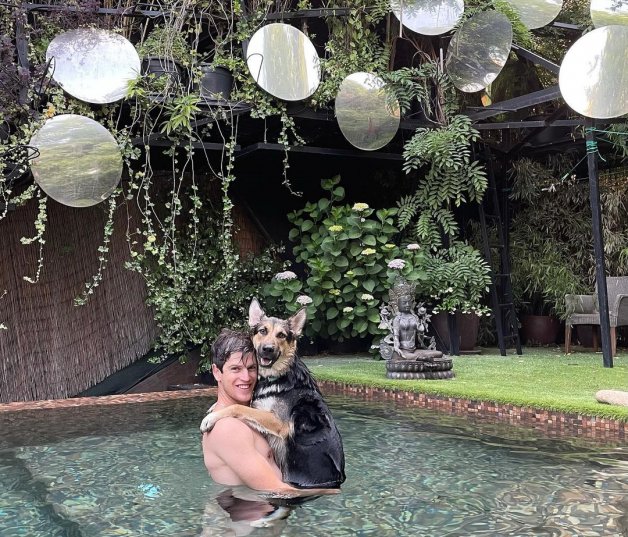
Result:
256,313
297,322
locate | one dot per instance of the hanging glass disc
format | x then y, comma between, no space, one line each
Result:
593,77
93,65
536,13
79,162
284,62
428,17
367,115
478,51
607,12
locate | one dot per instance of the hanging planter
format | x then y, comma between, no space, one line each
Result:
216,84
167,72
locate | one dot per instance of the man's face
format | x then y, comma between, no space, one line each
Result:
237,379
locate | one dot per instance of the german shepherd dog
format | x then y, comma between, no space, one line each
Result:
287,406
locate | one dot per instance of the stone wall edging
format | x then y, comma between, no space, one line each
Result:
551,423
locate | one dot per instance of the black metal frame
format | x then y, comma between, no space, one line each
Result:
510,105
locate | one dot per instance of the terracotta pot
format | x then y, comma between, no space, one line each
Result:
539,329
468,326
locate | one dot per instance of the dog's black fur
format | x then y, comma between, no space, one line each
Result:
288,407
314,455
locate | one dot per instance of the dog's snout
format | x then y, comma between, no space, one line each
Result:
268,348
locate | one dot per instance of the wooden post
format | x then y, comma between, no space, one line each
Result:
598,242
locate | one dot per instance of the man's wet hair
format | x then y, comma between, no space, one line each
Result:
229,342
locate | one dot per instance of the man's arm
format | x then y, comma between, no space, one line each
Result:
233,442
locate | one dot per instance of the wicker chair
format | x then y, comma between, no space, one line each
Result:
583,309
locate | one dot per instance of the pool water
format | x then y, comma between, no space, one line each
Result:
138,470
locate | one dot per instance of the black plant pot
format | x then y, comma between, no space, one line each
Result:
216,83
163,67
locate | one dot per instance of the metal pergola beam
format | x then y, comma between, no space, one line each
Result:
534,124
535,58
154,141
319,151
512,105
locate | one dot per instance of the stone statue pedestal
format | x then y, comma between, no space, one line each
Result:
431,365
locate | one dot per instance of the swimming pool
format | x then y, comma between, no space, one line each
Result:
137,470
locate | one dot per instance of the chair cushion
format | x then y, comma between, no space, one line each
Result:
583,318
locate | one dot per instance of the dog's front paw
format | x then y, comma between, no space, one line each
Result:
208,422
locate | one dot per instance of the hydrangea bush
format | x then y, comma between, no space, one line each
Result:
350,259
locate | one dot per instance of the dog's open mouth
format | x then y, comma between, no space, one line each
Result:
265,361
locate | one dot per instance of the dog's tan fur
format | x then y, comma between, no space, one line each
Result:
282,335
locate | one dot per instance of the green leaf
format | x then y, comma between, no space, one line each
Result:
342,262
306,226
373,316
369,240
332,313
369,285
355,250
339,192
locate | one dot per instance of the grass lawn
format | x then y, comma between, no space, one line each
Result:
539,378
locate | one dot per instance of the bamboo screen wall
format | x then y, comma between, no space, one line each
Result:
53,349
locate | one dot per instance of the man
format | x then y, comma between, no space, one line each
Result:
234,453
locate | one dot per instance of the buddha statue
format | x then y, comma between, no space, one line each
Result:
407,349
408,330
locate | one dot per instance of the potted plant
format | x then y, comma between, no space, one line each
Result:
165,56
457,279
546,239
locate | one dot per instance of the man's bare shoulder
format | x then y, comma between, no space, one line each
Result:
227,428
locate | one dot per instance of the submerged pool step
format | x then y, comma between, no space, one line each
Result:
24,511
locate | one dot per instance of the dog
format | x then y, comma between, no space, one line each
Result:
287,406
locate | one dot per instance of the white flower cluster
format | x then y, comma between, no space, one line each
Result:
413,246
304,300
366,296
286,275
347,309
397,264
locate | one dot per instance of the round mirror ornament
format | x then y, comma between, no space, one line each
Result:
79,162
283,61
428,17
368,116
479,50
593,77
93,65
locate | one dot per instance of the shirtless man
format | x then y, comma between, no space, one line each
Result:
234,453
